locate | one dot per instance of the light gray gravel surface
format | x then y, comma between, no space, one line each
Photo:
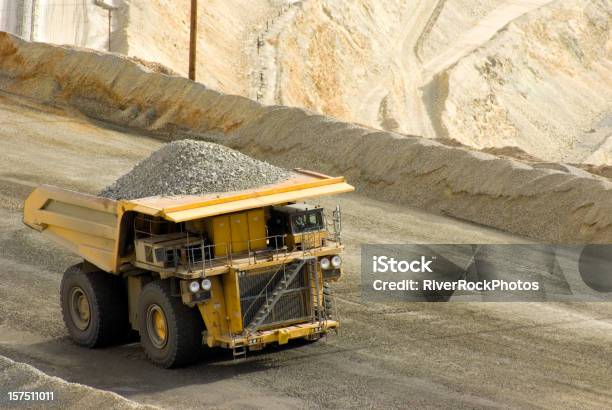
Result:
188,167
386,355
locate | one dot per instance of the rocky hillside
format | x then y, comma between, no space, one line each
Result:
532,74
529,74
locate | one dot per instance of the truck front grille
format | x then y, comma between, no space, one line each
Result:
293,305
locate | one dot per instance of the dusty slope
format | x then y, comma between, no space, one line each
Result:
540,84
490,73
543,203
387,355
21,377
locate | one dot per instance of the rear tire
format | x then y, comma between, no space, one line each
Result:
94,307
170,331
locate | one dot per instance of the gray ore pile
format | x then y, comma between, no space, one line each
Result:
188,167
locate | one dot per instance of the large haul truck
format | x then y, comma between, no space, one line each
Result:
238,270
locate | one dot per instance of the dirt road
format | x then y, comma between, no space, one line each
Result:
386,355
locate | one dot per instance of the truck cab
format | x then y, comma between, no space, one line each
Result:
302,224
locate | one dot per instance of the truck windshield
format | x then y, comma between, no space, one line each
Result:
306,222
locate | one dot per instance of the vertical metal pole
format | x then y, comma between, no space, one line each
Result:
193,34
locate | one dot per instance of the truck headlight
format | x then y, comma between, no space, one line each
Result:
324,263
194,286
336,261
206,284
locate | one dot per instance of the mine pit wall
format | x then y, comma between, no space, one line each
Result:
545,204
83,23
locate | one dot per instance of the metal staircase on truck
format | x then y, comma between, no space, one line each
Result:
289,274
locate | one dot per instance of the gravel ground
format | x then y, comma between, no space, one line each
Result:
386,355
188,167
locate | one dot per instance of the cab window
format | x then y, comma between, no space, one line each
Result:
306,222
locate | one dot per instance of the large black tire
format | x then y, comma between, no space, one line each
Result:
94,307
181,343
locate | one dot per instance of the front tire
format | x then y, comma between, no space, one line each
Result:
94,307
170,331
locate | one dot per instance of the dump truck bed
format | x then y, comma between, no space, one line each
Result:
91,226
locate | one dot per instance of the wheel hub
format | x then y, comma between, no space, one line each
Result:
80,311
157,326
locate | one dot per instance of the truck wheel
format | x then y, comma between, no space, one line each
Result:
94,307
170,332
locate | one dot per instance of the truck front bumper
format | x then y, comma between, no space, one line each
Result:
257,340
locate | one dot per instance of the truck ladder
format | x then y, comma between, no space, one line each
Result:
316,300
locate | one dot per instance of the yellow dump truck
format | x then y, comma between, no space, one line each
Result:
239,270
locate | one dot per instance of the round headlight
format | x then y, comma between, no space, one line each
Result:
324,263
336,261
194,286
206,284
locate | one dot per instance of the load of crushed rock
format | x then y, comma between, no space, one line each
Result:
188,167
